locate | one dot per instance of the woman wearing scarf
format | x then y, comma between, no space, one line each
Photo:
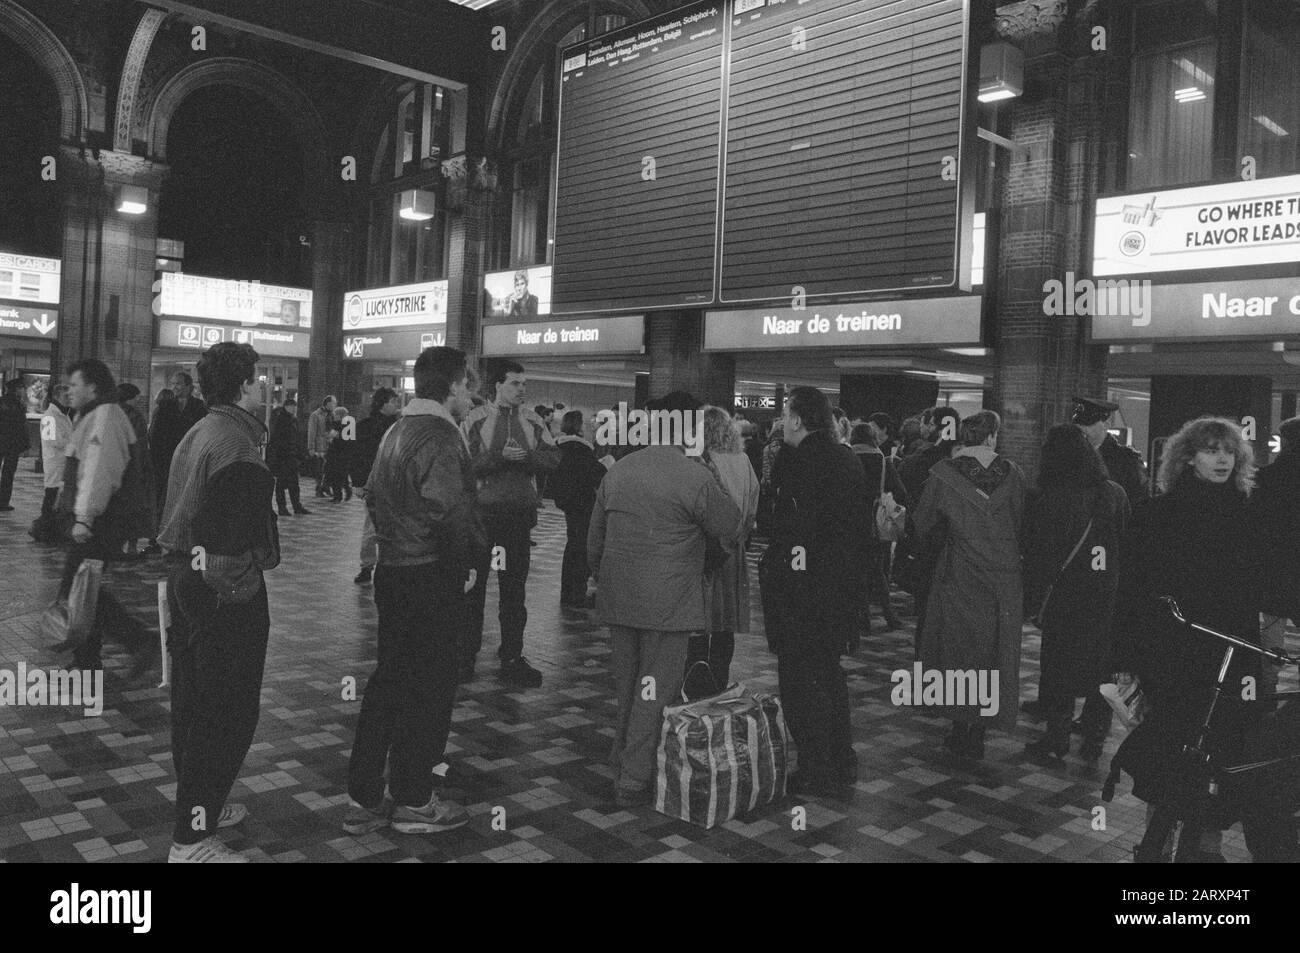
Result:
972,508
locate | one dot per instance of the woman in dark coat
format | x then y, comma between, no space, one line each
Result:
573,487
1073,497
338,458
971,512
863,442
1276,503
142,515
282,458
1197,543
13,436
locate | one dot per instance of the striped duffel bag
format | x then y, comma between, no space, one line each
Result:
721,757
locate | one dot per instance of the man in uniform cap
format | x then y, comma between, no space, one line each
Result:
1124,464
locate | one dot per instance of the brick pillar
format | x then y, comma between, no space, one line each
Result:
325,373
106,290
1042,361
677,363
465,268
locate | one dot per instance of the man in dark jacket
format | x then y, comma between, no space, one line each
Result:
573,487
171,422
13,437
421,498
1276,506
821,527
1123,464
219,535
913,560
282,455
385,405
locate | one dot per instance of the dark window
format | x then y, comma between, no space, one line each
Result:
1171,119
1268,120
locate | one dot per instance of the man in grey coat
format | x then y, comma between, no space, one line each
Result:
653,513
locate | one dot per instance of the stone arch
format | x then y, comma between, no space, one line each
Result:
53,57
531,51
128,91
294,105
375,115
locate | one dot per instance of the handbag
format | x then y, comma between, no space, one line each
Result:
67,623
1037,617
890,517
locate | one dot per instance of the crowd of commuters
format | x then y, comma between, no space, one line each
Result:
847,513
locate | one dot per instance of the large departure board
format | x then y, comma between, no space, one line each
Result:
838,120
732,151
637,176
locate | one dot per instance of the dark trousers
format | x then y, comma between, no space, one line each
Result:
717,650
111,620
510,532
816,702
574,570
218,656
878,580
46,526
1058,709
406,710
286,481
318,471
8,467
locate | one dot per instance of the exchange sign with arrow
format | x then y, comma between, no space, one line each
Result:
23,321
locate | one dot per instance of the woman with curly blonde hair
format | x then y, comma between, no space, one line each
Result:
1199,436
1196,542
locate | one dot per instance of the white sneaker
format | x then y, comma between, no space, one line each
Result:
432,818
231,815
207,851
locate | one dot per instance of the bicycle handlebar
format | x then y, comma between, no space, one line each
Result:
1280,658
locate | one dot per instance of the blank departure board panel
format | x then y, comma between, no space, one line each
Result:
730,151
637,170
839,117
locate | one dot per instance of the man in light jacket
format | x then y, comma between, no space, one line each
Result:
318,438
219,536
654,511
56,427
96,464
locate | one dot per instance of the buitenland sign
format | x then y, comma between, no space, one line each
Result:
1267,309
949,320
1212,226
268,342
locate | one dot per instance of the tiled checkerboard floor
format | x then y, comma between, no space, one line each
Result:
99,789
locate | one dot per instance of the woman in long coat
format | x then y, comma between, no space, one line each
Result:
728,585
141,510
1074,509
972,507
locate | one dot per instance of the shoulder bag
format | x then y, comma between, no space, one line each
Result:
1037,617
890,517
